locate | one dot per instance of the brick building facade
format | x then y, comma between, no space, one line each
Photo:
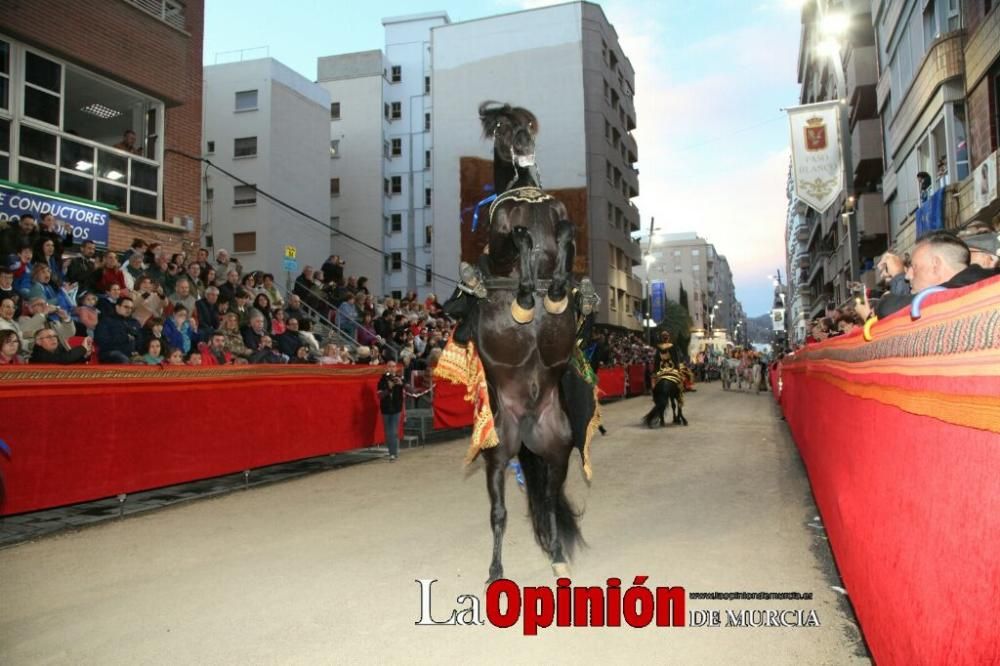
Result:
136,66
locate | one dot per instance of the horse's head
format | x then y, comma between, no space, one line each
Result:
513,130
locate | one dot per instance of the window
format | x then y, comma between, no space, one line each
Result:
427,122
395,223
607,129
397,74
334,187
210,147
677,268
385,110
427,159
608,171
397,185
245,242
428,274
334,110
244,195
396,261
428,234
696,267
427,196
396,111
695,252
427,85
4,75
612,299
209,194
246,100
334,148
397,148
245,147
961,143
42,89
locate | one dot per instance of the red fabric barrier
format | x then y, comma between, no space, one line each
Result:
122,429
901,440
611,382
451,410
636,379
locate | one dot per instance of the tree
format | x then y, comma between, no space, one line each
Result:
677,322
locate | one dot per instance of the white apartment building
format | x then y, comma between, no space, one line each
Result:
261,123
355,82
564,64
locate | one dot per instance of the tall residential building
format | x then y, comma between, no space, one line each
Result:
67,98
685,262
921,99
982,85
565,64
841,245
265,124
798,304
357,205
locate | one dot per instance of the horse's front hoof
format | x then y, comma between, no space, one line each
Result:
521,315
560,569
555,307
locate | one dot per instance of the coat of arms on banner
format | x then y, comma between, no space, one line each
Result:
815,130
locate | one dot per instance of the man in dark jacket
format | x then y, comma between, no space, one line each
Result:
83,269
390,393
17,235
48,349
939,258
207,311
117,335
290,341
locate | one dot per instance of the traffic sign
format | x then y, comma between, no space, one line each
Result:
290,251
291,265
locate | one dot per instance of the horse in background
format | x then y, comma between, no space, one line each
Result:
525,349
668,388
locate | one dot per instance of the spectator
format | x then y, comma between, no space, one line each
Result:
175,357
45,254
227,290
207,277
134,269
390,393
267,353
301,356
60,233
201,258
278,323
332,355
984,245
939,258
333,269
272,291
223,264
15,237
107,301
215,352
153,352
182,294
87,319
83,269
117,335
7,289
194,278
22,268
347,317
232,338
128,143
7,320
41,313
148,299
256,331
10,347
249,283
179,331
48,349
207,311
290,341
295,309
110,273
262,304
241,306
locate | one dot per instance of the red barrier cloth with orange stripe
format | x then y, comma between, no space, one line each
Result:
451,409
87,432
611,382
901,440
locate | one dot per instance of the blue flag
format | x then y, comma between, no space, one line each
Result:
930,215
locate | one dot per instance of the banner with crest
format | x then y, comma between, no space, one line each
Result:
817,159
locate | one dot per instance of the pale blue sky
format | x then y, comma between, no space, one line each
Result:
711,78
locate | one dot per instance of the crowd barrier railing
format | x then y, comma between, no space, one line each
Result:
900,436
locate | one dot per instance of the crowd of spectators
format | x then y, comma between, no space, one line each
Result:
148,306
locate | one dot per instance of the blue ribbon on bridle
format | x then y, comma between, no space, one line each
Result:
475,213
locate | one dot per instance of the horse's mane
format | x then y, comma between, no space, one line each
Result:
490,113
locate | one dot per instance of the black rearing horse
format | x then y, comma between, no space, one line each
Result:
526,350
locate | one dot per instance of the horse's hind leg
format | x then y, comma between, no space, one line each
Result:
556,298
496,467
553,489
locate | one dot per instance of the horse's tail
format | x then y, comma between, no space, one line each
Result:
651,415
536,478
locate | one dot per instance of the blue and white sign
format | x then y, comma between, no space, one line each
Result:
658,301
88,221
291,265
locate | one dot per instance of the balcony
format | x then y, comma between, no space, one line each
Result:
802,233
861,69
872,214
866,150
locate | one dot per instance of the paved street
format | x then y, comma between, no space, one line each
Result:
321,569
